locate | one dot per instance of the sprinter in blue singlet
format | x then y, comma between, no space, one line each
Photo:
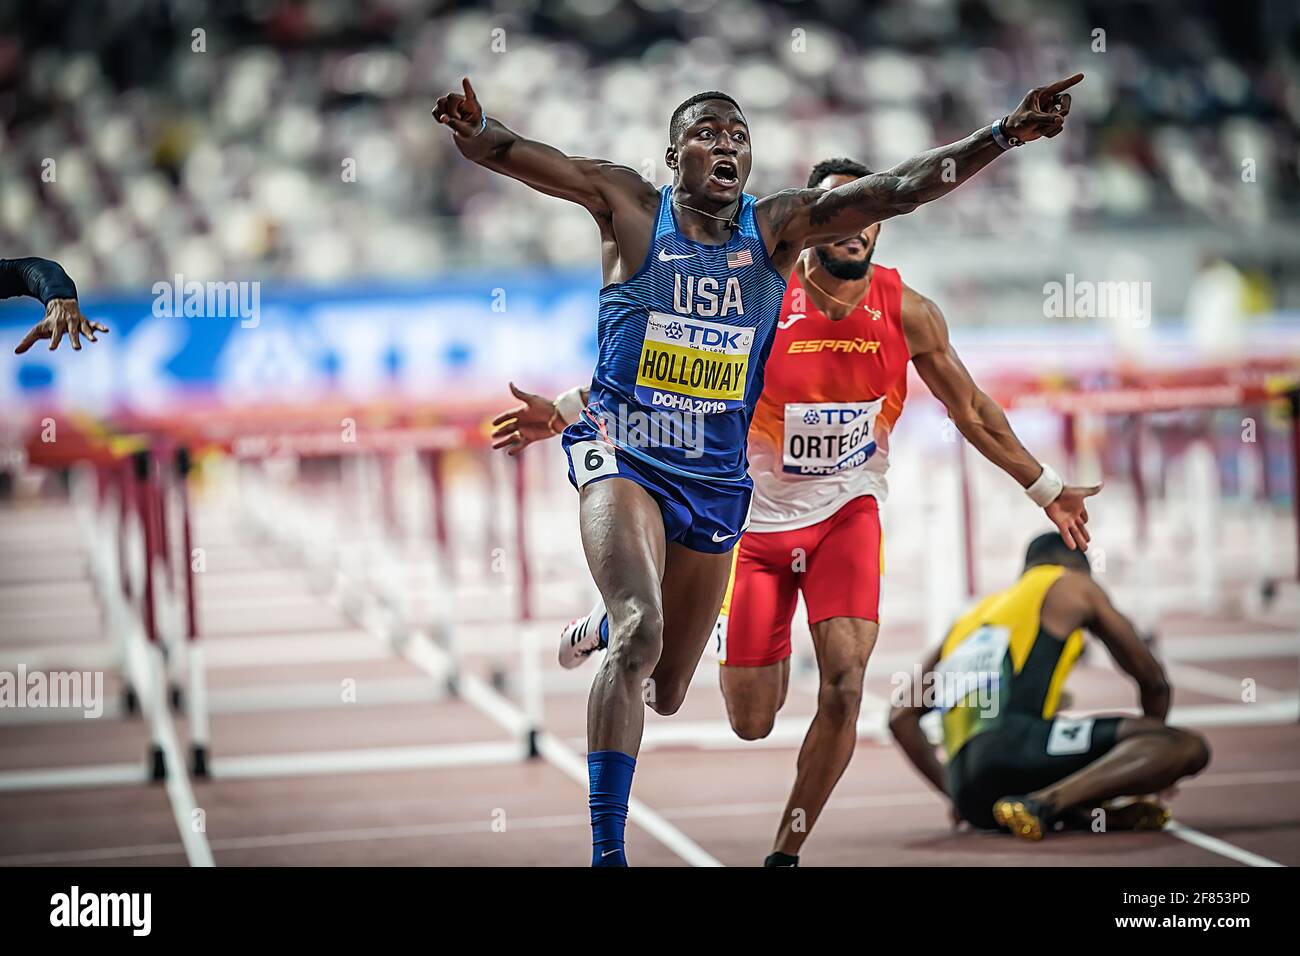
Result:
683,343
694,275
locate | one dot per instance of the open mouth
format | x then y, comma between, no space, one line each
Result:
725,173
851,245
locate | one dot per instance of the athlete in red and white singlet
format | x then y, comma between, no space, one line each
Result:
818,452
835,384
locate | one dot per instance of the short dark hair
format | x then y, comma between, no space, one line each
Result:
840,166
676,124
1050,548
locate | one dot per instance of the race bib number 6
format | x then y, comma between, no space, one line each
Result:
592,459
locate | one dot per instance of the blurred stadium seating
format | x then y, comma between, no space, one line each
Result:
230,161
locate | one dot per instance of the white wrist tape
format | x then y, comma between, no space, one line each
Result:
1045,487
569,405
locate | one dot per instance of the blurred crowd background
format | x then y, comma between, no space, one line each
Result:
291,139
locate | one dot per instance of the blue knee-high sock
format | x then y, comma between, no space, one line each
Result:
610,775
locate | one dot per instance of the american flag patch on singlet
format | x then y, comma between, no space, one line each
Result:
742,258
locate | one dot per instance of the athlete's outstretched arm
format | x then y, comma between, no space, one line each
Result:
46,280
594,184
797,218
980,420
1120,637
537,418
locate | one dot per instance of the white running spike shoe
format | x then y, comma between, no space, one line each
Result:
581,638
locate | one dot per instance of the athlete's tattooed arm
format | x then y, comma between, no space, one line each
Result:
796,218
980,419
597,185
905,725
622,203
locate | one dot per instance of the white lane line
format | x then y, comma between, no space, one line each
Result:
1264,713
68,778
1230,647
1214,684
789,730
878,801
412,831
372,760
1276,712
873,801
307,838
638,812
368,834
144,665
1215,845
49,657
176,780
435,662
275,698
323,695
424,654
342,646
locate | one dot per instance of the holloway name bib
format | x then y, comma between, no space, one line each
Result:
694,366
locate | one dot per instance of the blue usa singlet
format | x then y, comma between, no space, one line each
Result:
683,342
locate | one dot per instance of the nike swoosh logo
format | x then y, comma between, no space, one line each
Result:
717,540
666,256
607,853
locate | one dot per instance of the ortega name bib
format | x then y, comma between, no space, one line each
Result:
826,437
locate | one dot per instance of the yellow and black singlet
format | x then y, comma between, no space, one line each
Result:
997,660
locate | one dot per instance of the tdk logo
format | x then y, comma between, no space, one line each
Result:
831,416
707,337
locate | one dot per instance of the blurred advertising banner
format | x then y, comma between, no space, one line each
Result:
236,343
461,339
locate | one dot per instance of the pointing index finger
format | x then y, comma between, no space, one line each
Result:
1064,84
469,90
